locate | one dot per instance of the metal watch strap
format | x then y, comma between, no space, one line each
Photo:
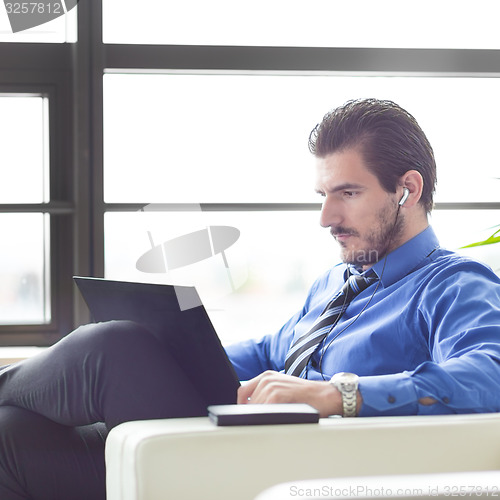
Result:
349,400
347,385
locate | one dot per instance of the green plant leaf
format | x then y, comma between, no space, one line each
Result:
494,238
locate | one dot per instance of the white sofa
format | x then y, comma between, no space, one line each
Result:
194,459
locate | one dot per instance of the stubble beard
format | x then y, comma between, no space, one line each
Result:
377,242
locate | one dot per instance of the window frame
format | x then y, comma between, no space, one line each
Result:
44,70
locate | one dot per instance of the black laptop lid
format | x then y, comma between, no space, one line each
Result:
178,319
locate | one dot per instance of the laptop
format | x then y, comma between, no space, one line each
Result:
187,332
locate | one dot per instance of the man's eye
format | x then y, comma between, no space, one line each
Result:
349,194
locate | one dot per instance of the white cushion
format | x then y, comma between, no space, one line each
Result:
194,459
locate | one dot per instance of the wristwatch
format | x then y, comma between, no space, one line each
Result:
347,385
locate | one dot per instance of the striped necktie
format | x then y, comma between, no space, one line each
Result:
302,349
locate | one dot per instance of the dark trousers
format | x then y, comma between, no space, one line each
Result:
57,407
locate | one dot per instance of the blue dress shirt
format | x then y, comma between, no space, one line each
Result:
429,328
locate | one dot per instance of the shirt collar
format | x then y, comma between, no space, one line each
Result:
407,257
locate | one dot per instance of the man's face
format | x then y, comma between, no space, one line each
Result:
361,215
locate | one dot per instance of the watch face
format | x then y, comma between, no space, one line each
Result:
348,381
348,386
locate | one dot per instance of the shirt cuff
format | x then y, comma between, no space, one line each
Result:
388,395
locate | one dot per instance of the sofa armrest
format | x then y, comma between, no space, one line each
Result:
194,459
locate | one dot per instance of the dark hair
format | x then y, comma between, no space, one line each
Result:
388,137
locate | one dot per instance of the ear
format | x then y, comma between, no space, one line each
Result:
414,182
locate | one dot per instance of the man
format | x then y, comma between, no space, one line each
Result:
419,326
424,336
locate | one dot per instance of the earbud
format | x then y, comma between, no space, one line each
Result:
406,193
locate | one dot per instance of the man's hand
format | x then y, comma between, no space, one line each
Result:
274,387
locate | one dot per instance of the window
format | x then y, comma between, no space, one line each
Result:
25,148
201,139
299,23
37,172
232,138
35,209
165,118
24,268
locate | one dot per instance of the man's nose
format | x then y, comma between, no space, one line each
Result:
330,213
